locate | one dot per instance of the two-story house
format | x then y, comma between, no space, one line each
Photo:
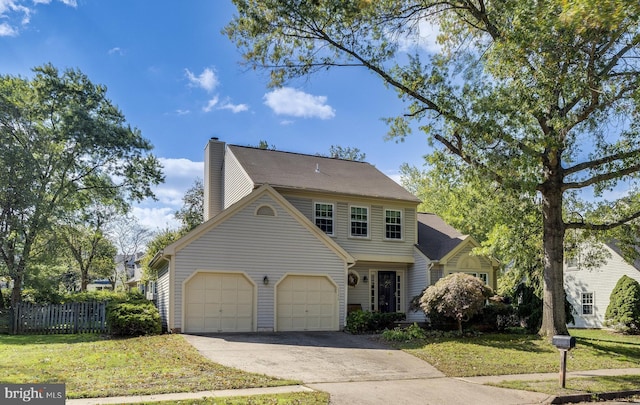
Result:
589,288
291,242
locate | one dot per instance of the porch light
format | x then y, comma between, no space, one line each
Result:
265,280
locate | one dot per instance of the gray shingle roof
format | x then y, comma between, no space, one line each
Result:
316,173
436,238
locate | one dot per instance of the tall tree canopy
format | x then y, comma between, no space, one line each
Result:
64,144
538,96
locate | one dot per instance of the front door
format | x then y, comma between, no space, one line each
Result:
387,291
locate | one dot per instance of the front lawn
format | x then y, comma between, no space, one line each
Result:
92,366
500,354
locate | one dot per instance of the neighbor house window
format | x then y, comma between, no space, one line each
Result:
393,224
484,277
587,303
324,217
360,222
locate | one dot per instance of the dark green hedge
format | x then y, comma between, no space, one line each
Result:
372,322
133,318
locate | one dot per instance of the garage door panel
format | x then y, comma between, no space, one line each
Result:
219,302
306,303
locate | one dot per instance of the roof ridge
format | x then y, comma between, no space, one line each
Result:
301,154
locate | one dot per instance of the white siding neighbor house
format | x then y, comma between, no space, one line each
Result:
589,289
293,242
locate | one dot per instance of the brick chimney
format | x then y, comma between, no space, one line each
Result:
213,178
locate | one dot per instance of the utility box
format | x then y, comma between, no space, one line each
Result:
564,342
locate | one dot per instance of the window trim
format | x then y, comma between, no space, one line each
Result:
367,222
401,224
590,304
333,217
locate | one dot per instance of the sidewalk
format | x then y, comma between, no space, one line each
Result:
178,396
354,387
550,376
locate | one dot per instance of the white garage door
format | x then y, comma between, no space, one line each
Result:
218,302
307,303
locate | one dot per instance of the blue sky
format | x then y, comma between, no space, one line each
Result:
178,79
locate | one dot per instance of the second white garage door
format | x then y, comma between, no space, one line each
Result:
218,302
306,303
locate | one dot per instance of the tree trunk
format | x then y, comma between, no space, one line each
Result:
16,292
553,315
84,279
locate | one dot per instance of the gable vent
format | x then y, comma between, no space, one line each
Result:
265,211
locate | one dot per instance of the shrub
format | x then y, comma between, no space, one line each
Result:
407,334
623,312
458,296
133,318
372,322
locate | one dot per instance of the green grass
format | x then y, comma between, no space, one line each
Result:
500,354
294,398
92,366
578,385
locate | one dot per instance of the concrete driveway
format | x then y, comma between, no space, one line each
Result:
353,369
312,357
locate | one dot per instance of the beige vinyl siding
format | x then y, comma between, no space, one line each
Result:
162,291
236,182
416,282
600,281
374,247
304,205
464,261
260,246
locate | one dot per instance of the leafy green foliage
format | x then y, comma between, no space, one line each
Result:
161,240
623,312
398,334
458,296
133,319
371,322
65,145
191,213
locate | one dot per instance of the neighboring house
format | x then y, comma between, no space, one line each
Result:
589,289
133,269
291,242
99,285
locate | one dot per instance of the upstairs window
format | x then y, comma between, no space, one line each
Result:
324,217
360,222
393,224
587,303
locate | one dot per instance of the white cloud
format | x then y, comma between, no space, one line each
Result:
212,103
296,103
182,112
207,80
424,36
16,13
235,108
7,31
156,219
116,50
180,175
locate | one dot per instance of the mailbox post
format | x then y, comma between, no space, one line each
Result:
564,343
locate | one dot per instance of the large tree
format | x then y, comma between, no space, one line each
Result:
64,144
539,96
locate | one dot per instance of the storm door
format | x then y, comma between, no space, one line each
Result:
387,291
